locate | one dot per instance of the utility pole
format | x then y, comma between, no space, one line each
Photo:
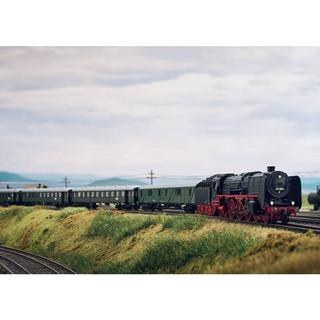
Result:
151,176
66,181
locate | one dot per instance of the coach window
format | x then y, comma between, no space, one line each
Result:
149,192
107,193
159,192
112,193
190,192
122,193
178,192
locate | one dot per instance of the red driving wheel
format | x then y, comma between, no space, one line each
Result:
247,215
239,209
231,208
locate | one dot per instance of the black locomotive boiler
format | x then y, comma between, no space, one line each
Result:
259,196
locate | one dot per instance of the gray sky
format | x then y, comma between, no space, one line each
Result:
187,110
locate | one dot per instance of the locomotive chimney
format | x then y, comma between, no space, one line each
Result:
271,168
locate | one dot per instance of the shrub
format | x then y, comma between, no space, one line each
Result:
118,227
78,263
15,212
66,212
183,223
170,254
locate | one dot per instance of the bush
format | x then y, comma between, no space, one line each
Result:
183,223
66,212
78,263
15,212
118,227
168,255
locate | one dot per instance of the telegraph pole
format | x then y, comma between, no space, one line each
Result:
66,181
151,176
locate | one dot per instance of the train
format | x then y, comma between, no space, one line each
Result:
257,196
314,199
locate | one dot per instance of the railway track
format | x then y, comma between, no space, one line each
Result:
13,261
299,223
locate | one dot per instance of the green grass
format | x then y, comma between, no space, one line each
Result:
183,223
15,212
118,227
67,212
171,254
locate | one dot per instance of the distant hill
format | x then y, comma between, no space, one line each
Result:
117,182
9,176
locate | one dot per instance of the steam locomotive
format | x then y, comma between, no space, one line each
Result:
268,197
253,196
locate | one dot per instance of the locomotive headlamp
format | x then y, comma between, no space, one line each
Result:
293,203
271,203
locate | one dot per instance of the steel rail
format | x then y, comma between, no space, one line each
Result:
15,263
42,261
5,268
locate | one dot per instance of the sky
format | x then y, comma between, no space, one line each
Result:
177,110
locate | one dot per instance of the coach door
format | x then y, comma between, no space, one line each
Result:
69,197
63,197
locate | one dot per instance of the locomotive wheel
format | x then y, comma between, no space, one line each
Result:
231,208
239,210
265,218
247,215
284,219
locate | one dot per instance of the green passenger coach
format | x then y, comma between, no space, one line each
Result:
161,197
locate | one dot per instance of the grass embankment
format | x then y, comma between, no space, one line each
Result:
113,242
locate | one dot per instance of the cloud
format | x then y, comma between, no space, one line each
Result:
178,110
